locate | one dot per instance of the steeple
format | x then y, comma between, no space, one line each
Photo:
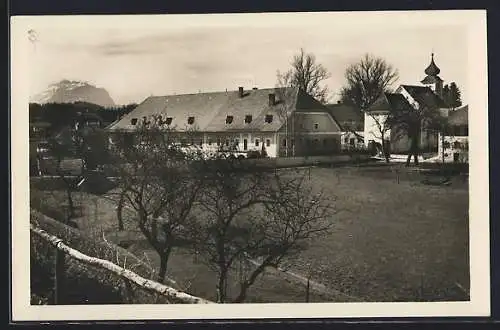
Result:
432,69
432,78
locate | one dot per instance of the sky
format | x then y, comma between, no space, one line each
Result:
133,57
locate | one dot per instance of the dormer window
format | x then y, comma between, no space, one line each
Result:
229,119
168,120
190,120
269,119
133,121
248,119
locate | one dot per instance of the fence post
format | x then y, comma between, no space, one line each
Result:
59,277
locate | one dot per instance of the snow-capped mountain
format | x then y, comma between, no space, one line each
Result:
67,91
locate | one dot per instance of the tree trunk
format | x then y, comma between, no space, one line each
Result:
119,212
163,266
71,205
385,151
416,148
245,285
221,285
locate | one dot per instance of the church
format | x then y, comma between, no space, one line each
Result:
429,94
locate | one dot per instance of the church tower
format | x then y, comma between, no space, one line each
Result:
432,78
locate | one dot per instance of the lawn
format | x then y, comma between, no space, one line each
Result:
392,240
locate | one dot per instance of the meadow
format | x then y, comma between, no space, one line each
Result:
394,238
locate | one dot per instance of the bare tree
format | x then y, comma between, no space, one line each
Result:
286,97
251,214
156,182
367,80
84,145
308,75
414,121
383,125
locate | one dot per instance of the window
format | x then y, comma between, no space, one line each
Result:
268,142
269,119
292,142
248,119
190,120
168,121
218,142
301,126
210,142
133,121
227,143
316,125
201,142
284,142
256,142
229,119
346,139
352,141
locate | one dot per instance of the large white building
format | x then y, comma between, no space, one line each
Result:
283,122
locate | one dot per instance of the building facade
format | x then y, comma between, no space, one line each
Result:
351,121
281,122
406,98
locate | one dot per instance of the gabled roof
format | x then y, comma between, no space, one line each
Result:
210,110
254,103
347,116
424,96
459,116
390,102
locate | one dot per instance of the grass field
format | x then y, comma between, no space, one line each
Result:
393,240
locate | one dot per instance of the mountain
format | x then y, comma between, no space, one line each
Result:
67,91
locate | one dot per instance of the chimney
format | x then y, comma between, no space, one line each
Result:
240,91
272,99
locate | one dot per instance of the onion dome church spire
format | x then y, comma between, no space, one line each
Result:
432,69
432,78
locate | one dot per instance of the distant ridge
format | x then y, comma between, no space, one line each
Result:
67,91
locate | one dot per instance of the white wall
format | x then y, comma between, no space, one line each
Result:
250,137
350,135
451,150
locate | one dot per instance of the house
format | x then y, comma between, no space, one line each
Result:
351,121
281,121
454,143
88,119
406,97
